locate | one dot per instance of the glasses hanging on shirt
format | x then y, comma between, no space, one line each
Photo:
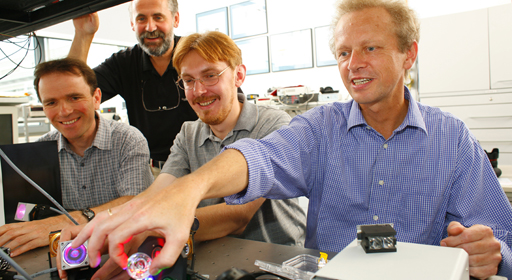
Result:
154,100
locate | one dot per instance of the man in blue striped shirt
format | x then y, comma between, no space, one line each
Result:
380,158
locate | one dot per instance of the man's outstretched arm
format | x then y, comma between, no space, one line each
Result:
169,212
85,28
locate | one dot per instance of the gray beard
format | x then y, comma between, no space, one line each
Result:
155,50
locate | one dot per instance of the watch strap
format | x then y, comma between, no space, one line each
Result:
88,213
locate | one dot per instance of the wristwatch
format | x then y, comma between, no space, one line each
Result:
88,213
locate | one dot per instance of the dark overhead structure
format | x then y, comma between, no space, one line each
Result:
19,17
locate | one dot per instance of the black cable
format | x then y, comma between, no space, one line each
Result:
6,158
38,47
24,44
2,253
7,56
17,65
20,47
18,268
37,274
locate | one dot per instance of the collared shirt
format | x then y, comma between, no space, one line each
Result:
431,171
115,165
131,74
277,221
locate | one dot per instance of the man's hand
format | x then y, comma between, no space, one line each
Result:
167,210
479,242
22,237
65,235
168,213
85,28
87,24
109,270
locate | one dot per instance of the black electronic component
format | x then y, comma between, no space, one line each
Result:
4,265
40,163
82,273
31,212
7,275
152,246
236,274
240,274
377,238
493,158
328,89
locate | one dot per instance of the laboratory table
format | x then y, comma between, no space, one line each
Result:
212,257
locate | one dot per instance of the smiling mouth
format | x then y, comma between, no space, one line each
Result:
207,103
361,81
70,122
152,38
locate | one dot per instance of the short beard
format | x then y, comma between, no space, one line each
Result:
217,119
156,50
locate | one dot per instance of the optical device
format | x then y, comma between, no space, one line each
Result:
73,257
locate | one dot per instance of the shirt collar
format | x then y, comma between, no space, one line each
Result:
246,121
413,117
101,140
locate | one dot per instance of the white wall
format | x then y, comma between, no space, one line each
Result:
283,16
432,8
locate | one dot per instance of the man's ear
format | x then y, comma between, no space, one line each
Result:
412,54
176,19
240,75
96,97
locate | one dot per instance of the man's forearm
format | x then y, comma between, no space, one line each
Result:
224,175
220,220
80,46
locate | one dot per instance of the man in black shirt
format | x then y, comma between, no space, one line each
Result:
143,74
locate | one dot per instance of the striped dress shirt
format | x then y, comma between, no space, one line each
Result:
431,171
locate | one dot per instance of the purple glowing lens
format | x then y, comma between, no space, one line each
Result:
74,256
20,212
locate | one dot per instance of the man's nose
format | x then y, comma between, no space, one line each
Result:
199,87
357,61
150,26
65,109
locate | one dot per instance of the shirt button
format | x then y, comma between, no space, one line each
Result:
375,217
84,187
381,182
385,146
82,164
368,127
222,146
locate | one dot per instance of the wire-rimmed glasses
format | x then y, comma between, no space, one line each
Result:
163,107
207,80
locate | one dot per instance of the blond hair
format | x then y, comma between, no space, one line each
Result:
407,25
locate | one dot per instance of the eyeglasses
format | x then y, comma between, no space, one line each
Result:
154,99
207,80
